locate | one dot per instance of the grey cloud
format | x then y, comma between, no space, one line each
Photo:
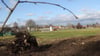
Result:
63,19
30,14
90,14
42,20
58,19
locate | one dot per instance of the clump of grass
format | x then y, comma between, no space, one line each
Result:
7,38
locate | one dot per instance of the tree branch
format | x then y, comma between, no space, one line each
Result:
10,13
5,4
11,10
50,4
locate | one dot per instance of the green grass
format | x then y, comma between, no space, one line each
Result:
67,33
45,37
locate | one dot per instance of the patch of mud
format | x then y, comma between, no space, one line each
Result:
90,49
88,46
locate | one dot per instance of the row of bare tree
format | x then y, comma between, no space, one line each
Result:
80,26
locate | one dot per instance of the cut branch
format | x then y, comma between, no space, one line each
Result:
10,13
50,4
6,4
11,10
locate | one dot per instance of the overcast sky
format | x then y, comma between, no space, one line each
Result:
88,12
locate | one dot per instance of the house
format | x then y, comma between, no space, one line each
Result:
48,28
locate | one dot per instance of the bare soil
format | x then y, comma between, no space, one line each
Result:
81,46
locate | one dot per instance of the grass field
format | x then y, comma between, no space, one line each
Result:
67,33
61,34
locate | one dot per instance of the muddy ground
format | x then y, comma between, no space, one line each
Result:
88,46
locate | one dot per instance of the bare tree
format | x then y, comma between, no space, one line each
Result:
19,1
15,25
79,26
30,24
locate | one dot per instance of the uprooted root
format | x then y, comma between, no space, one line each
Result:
24,41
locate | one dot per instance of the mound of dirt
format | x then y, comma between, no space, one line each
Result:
90,49
88,46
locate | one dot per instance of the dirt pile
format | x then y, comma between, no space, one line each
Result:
88,46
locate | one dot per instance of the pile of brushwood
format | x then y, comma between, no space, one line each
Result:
23,41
